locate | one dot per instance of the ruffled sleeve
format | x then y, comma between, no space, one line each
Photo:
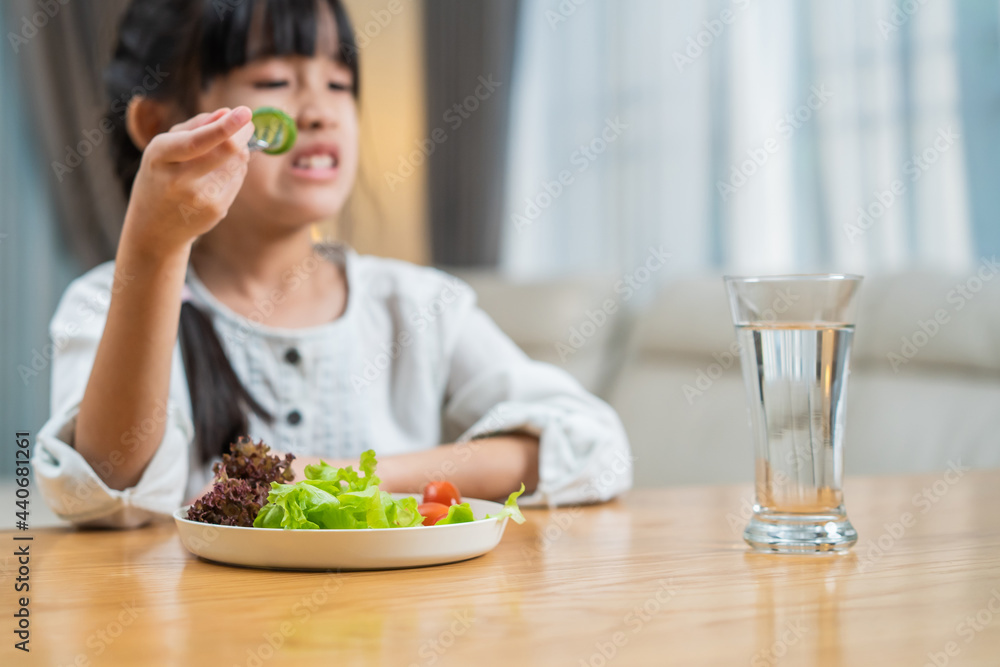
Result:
68,483
493,388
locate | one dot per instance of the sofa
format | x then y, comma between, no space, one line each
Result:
923,394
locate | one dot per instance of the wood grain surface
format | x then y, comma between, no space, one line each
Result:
660,577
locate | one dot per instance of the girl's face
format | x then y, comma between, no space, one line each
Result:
312,181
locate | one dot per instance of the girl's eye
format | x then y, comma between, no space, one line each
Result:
270,84
339,86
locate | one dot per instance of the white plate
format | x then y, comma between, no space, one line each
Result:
366,549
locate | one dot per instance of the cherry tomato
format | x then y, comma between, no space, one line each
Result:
442,492
432,512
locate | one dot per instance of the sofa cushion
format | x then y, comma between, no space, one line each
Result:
905,319
549,320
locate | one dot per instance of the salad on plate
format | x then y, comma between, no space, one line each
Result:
254,488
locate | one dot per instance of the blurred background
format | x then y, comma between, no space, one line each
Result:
561,155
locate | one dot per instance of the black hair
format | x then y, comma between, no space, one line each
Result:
169,50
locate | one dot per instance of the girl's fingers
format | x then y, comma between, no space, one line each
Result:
186,145
235,149
200,120
242,135
218,158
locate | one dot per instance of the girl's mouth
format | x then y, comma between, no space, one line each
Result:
316,162
320,161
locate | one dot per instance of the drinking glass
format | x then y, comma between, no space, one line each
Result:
795,337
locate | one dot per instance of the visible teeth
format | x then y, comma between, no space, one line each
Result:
320,161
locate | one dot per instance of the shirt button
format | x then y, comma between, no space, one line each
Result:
294,417
292,356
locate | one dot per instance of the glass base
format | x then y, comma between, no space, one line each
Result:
800,533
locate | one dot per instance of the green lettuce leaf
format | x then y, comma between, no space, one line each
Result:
460,513
342,498
510,508
337,498
270,516
304,506
404,513
367,466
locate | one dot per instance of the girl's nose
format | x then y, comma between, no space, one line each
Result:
315,117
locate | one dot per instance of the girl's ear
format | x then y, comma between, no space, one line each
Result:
144,119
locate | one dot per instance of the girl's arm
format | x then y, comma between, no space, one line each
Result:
487,468
130,380
122,415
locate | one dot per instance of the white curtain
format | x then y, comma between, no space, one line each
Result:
752,136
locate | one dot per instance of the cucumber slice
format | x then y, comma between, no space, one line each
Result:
274,131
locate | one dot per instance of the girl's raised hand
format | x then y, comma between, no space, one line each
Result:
188,179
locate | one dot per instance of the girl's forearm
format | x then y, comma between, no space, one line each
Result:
123,414
486,468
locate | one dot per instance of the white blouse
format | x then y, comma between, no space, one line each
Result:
411,363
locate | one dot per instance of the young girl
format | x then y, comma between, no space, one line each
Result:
221,317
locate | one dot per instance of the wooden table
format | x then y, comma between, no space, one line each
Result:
660,577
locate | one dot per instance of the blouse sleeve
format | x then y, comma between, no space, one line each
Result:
493,387
68,483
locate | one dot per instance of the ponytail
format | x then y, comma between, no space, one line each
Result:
219,401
